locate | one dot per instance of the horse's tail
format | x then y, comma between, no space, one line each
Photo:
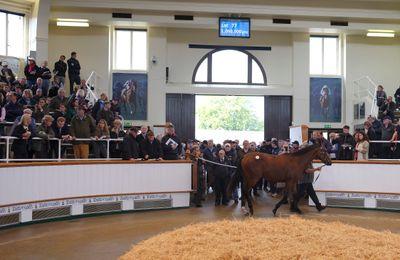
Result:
236,177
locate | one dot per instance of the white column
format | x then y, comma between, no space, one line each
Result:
39,30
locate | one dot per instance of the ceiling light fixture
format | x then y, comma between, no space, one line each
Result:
381,33
72,22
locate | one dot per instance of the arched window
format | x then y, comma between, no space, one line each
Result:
229,66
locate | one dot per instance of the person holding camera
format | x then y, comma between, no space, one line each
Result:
346,144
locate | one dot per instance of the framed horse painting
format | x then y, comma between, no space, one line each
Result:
325,99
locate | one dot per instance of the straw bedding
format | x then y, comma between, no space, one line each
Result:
281,238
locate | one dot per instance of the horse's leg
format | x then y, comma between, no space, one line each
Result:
249,201
294,195
279,204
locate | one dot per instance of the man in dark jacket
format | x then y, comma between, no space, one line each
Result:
222,175
346,144
370,132
82,126
6,74
74,71
45,74
60,67
151,147
171,144
130,148
13,108
106,114
387,134
58,100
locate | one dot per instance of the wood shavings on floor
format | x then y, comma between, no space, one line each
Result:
279,238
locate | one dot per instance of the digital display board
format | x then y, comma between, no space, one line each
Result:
234,27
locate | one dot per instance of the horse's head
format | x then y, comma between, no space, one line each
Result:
323,155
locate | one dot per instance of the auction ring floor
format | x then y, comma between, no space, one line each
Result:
110,236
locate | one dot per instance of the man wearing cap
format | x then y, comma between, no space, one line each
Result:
171,144
82,126
150,147
6,73
31,72
74,71
130,148
387,134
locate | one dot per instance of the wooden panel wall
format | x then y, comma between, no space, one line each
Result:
277,116
180,110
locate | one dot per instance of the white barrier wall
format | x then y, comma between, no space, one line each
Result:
360,184
75,188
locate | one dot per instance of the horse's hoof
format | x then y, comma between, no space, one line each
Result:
244,211
298,211
274,211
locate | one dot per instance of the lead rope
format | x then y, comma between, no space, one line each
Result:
220,164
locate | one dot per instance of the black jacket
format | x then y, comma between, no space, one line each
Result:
130,148
168,152
153,150
59,132
44,73
34,73
74,68
13,110
60,67
20,146
221,171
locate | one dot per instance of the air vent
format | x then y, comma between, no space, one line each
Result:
184,17
339,23
153,204
102,207
122,15
9,219
345,202
388,204
51,213
281,21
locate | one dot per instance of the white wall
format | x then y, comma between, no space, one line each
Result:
182,60
378,58
286,66
91,45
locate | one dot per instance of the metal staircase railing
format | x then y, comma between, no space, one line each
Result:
365,89
91,86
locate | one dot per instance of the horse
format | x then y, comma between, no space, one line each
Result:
287,168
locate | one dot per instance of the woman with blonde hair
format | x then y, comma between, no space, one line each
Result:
23,133
362,146
117,132
101,133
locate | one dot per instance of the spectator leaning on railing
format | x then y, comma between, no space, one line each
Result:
82,126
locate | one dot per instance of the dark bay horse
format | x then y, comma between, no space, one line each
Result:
287,168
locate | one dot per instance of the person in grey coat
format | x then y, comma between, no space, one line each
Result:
305,186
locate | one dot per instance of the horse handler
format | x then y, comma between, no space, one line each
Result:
305,186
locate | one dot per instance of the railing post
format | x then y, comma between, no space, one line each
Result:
7,150
108,149
59,150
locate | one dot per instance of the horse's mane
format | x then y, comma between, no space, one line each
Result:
306,149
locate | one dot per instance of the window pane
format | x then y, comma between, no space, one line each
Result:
15,35
330,55
315,55
201,75
229,66
257,76
122,50
3,25
139,50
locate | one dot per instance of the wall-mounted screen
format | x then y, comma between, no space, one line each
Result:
234,27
